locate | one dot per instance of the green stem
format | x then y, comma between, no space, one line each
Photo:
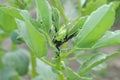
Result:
59,68
47,62
58,62
68,53
33,62
61,76
72,58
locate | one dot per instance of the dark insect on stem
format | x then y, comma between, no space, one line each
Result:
59,43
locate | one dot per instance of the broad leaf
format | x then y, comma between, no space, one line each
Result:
17,60
45,72
14,12
22,4
69,10
15,37
56,18
91,5
77,26
117,5
94,61
95,26
44,14
34,39
87,76
83,57
7,22
8,74
7,19
71,75
109,39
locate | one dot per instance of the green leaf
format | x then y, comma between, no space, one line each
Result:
44,14
14,12
85,56
95,61
61,34
71,75
8,74
17,60
18,3
16,39
87,76
92,5
7,22
95,26
77,26
109,39
56,18
117,5
1,31
34,39
45,72
7,19
81,58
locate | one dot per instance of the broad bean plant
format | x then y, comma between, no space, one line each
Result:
52,33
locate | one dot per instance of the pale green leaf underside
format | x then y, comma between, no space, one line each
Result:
71,75
77,26
56,18
44,14
95,26
109,39
92,5
94,61
35,40
45,72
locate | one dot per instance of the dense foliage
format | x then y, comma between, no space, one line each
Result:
53,29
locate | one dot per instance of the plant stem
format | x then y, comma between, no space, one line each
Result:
61,76
68,53
33,62
59,68
58,61
47,62
72,58
33,66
